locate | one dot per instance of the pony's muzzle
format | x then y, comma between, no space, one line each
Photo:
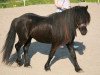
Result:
83,30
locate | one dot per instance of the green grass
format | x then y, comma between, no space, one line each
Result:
18,3
10,4
33,2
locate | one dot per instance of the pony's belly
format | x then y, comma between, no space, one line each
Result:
44,41
44,37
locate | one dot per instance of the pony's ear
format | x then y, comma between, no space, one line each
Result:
87,7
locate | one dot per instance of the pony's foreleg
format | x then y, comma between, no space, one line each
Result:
51,54
18,46
26,57
73,57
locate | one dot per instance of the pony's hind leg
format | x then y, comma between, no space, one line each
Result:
51,54
25,48
73,57
18,45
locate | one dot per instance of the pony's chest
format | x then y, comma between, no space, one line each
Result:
68,35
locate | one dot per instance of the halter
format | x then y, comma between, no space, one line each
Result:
82,25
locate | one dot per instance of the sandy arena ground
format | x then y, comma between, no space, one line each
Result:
88,52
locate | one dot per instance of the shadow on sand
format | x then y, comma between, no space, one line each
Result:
43,48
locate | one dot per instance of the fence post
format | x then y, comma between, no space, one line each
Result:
24,2
98,1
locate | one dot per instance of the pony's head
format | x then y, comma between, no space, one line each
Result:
82,19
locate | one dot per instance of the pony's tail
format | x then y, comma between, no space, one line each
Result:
7,48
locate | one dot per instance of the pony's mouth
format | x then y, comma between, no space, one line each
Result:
83,30
83,33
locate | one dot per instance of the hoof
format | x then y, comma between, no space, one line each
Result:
79,70
47,68
27,65
19,62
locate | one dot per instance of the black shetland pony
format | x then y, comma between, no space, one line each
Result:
57,29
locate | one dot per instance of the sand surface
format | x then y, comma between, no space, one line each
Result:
88,52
